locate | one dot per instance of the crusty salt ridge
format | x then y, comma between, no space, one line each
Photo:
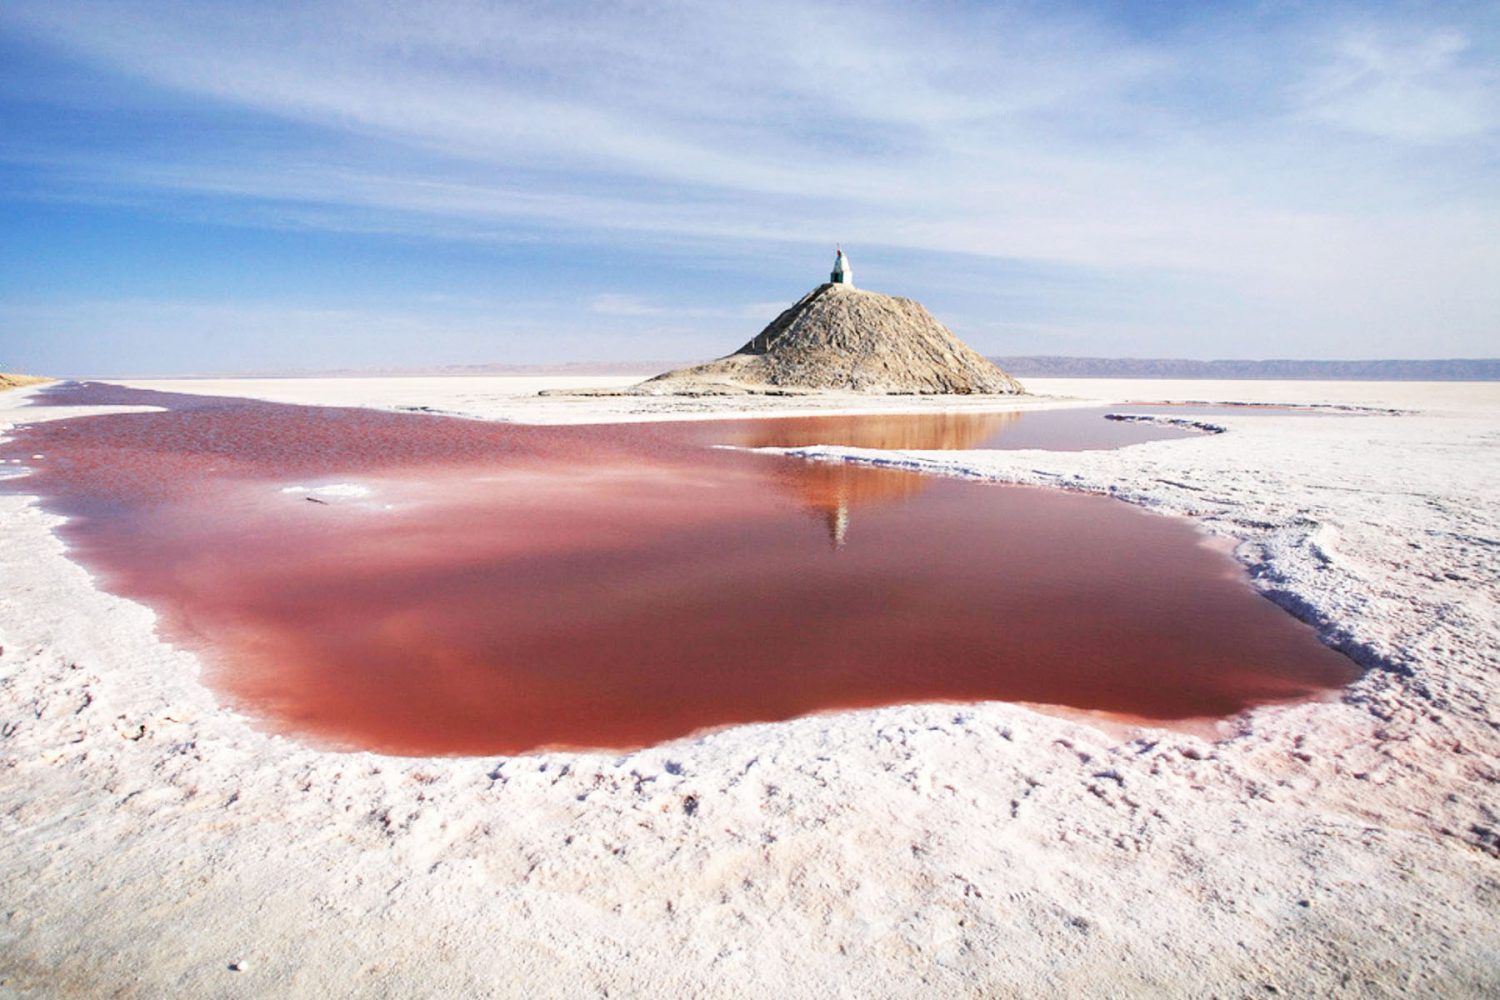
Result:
845,338
152,838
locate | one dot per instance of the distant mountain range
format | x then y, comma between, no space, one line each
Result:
1056,366
1021,366
1437,370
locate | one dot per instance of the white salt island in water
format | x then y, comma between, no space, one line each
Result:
155,838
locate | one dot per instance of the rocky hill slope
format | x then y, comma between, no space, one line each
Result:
838,337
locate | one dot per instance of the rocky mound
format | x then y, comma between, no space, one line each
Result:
838,337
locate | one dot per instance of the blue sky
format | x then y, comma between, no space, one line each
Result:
223,187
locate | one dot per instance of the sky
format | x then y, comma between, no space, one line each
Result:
207,187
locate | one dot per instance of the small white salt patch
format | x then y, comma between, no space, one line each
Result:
331,490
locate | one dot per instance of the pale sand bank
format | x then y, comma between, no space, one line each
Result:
9,380
1350,848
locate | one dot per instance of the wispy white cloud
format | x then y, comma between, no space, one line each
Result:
1008,133
144,336
615,304
1431,88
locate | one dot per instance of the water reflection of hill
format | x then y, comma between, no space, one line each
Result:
833,489
1071,429
896,432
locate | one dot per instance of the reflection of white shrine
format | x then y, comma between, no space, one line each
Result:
842,274
838,522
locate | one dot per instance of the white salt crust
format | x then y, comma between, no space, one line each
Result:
331,490
158,844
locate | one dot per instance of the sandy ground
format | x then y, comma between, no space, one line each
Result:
157,844
12,381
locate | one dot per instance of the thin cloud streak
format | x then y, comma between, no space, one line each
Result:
1312,162
1423,90
614,304
134,336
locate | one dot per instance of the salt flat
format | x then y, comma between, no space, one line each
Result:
159,844
515,398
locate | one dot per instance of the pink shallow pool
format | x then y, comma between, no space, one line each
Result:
425,585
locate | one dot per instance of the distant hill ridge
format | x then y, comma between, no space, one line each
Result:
1393,370
1033,366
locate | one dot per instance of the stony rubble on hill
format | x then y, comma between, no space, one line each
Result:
838,337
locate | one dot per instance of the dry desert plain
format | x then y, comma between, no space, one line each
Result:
158,843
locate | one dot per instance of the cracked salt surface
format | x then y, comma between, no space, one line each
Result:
1343,848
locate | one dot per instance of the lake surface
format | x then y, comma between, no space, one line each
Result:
428,585
1073,429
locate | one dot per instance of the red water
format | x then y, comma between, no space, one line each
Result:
508,588
1076,429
